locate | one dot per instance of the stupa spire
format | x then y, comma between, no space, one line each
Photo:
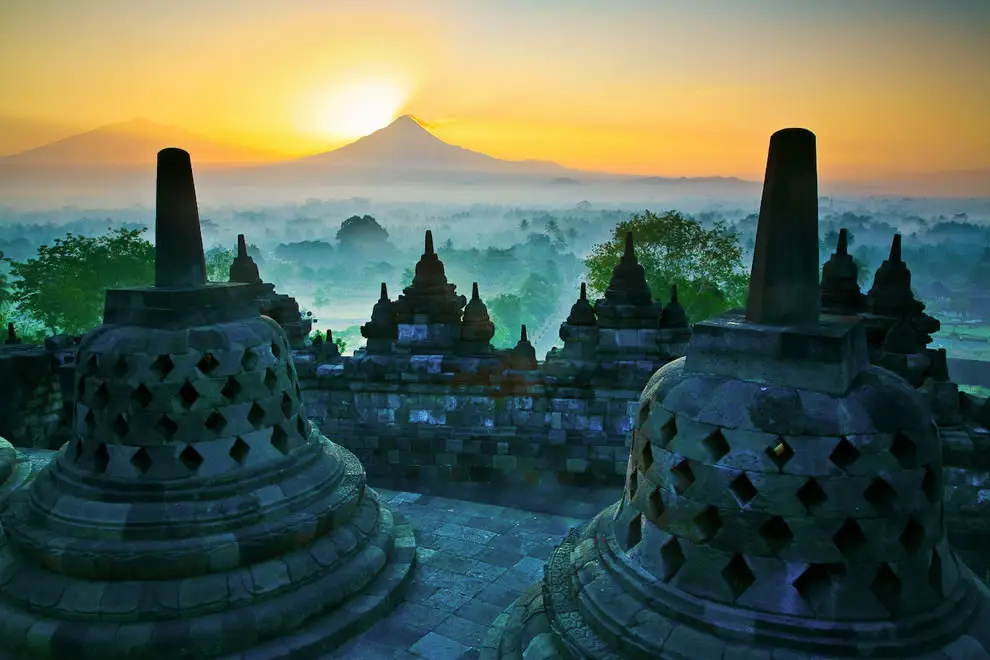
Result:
179,258
783,287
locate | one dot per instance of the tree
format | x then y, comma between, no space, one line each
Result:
64,285
705,264
218,262
361,231
506,312
524,225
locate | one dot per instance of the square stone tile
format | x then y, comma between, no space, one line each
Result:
437,647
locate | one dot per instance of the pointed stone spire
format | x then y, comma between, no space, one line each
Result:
673,315
523,356
243,269
895,250
839,289
783,286
382,329
629,254
477,328
12,337
582,313
179,258
842,246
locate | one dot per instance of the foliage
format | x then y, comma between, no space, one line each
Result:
304,251
360,230
705,264
64,285
218,262
506,312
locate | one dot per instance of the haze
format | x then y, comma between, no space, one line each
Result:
895,89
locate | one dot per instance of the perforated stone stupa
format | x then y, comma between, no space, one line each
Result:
783,496
196,512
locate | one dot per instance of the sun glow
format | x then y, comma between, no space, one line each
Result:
362,107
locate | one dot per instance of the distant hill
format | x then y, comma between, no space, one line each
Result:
131,143
406,146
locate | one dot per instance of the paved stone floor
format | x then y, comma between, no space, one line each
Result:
474,559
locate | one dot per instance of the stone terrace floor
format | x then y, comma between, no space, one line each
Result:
474,559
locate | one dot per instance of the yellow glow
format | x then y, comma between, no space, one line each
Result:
359,108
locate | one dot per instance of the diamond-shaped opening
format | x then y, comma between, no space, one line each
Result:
780,453
743,489
280,439
120,367
208,363
271,380
256,415
162,366
215,422
231,389
935,572
716,444
776,533
90,421
635,531
646,455
141,460
119,426
673,558
880,495
904,450
708,522
166,426
249,361
302,426
930,485
276,350
239,451
816,581
913,536
101,397
655,505
886,586
188,395
811,495
667,432
738,576
844,454
191,458
101,458
286,404
683,476
141,396
92,364
850,539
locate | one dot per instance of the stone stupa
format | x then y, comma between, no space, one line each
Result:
783,496
196,512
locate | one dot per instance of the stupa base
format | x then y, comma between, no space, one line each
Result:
17,469
593,604
302,604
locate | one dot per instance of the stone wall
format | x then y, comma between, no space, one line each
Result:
506,429
31,403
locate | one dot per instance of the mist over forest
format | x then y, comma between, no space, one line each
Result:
528,259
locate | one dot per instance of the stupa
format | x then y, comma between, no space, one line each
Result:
382,330
281,307
196,513
627,314
783,496
428,311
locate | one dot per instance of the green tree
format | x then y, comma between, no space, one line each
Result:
63,286
705,264
506,312
218,261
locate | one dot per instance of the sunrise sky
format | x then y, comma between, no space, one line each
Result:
642,86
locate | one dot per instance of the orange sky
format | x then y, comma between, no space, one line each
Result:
641,86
